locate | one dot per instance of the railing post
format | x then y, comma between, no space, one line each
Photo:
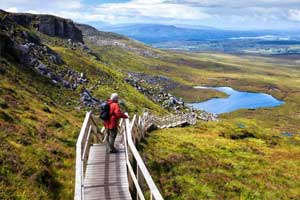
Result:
137,178
133,136
139,169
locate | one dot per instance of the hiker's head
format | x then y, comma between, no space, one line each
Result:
114,97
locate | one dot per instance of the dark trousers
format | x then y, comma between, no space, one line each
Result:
110,139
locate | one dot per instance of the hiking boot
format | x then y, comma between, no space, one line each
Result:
114,151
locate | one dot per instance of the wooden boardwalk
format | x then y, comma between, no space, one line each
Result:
106,174
123,175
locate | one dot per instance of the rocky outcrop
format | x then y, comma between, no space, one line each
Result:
87,99
24,47
156,88
157,80
41,58
47,24
7,46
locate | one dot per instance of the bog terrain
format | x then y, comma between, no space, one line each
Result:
54,70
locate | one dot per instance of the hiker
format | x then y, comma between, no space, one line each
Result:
111,121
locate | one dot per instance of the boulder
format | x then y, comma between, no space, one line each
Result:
24,48
42,66
70,42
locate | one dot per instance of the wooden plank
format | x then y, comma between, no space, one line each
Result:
105,193
106,175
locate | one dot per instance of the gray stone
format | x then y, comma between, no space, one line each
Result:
42,66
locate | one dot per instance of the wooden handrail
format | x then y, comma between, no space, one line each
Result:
84,141
136,158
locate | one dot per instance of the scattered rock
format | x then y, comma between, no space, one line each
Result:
70,42
88,100
206,116
24,48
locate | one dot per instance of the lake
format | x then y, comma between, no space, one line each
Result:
236,100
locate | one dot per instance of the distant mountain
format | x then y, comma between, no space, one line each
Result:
157,33
196,27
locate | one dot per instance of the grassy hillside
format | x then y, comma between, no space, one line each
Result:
38,133
39,125
40,119
232,159
161,64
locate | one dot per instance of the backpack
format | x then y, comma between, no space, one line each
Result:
104,111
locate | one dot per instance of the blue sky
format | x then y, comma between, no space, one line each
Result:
228,14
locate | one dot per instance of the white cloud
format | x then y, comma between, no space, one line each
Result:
237,3
221,13
154,8
294,15
12,9
41,5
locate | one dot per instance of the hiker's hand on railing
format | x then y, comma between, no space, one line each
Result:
127,114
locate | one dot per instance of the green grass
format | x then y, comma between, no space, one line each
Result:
224,160
36,128
191,95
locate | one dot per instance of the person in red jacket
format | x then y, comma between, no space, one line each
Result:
112,124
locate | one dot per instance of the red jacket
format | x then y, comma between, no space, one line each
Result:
114,115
